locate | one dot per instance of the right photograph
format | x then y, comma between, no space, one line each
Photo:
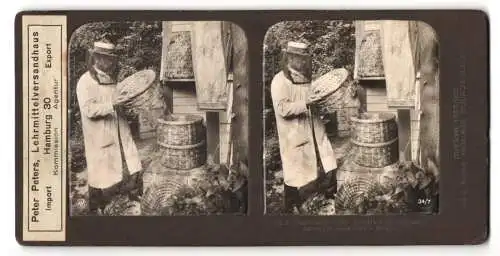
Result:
351,118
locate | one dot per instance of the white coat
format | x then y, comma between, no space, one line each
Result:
294,122
100,125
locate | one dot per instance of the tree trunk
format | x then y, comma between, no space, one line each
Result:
240,102
429,80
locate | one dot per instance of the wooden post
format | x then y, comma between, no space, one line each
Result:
226,127
404,134
241,80
213,136
417,113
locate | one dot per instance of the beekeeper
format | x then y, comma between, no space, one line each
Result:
307,156
113,161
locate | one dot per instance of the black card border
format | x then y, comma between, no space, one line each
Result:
464,199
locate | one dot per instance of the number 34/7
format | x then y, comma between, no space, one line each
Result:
424,201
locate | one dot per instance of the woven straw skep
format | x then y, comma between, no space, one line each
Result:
374,128
375,140
180,130
156,198
351,170
375,155
140,103
178,62
183,157
353,192
370,52
137,91
337,93
330,90
136,84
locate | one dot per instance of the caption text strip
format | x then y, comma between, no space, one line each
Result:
44,128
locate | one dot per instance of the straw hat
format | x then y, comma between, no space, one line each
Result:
297,63
297,48
103,47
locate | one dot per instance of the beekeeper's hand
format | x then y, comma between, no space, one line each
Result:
312,99
119,100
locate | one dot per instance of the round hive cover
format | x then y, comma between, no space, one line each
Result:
136,84
329,82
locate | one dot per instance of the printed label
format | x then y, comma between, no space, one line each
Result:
44,127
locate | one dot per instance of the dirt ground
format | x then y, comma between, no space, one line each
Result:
120,204
209,189
316,205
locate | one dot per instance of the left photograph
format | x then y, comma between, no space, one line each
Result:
158,118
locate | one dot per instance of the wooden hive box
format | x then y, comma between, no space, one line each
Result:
177,63
395,89
385,50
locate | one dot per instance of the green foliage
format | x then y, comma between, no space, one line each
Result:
318,204
275,192
332,45
77,157
272,157
412,190
79,195
220,191
138,47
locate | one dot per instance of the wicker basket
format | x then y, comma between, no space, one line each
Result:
183,157
137,90
351,192
163,185
156,197
340,101
375,154
136,84
343,113
329,83
374,127
332,102
180,130
141,102
351,171
331,89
